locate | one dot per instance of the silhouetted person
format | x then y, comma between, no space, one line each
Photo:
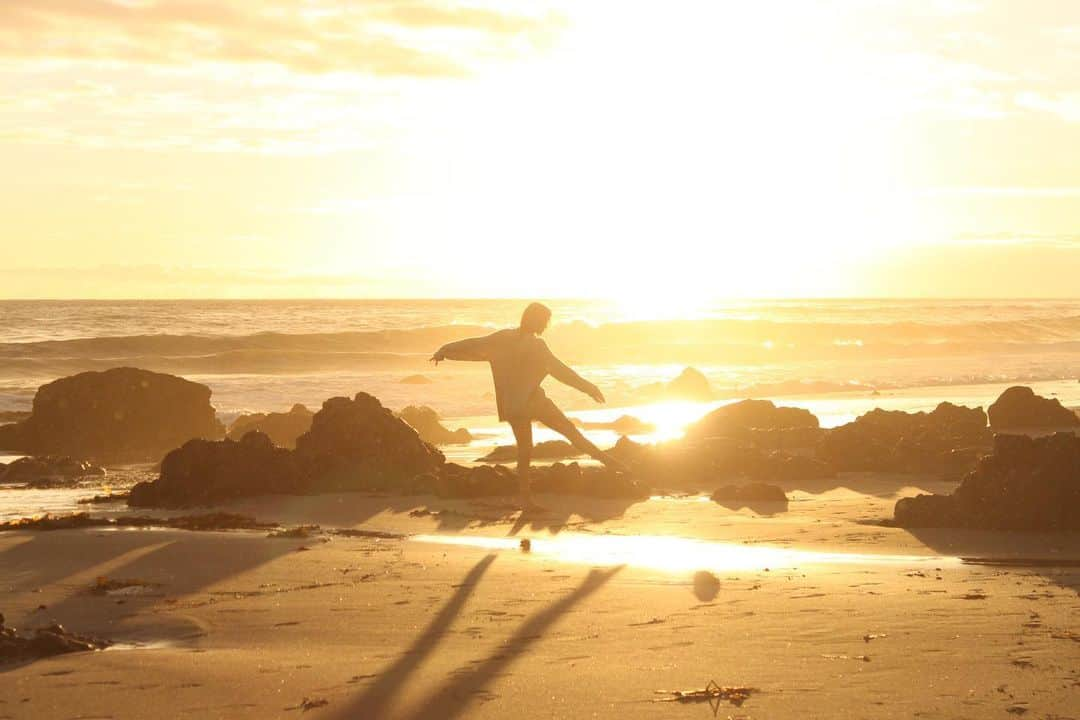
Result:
520,361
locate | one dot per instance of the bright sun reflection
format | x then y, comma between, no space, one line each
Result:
679,555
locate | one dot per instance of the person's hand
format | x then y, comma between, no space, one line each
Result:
595,394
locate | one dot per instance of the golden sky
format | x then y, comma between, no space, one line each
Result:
672,151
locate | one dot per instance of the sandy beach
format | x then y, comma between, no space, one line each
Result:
819,610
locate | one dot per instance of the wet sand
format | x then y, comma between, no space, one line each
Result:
821,612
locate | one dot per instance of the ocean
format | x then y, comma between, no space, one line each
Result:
831,354
837,358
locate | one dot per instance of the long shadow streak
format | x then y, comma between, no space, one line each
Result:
455,695
375,698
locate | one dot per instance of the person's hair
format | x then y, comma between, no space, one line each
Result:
535,318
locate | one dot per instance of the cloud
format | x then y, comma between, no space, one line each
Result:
307,36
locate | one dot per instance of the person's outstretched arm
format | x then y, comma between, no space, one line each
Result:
566,375
470,349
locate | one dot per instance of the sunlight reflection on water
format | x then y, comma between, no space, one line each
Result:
675,554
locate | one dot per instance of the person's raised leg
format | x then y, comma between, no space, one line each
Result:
523,436
555,419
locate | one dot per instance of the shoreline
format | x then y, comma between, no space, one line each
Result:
239,624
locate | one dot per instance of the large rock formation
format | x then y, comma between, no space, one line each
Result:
624,425
283,428
739,418
690,384
1020,407
425,421
1026,484
352,445
547,450
119,415
205,472
456,481
358,444
895,441
48,471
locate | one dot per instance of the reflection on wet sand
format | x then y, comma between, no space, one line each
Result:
677,554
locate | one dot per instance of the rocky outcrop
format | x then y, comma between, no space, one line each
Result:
1025,484
48,471
456,481
205,472
783,468
45,641
352,445
282,428
425,421
360,445
938,442
690,384
1019,407
741,418
624,425
750,492
119,415
547,450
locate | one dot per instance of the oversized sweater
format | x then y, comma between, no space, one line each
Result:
519,363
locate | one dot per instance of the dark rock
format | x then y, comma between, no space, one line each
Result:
205,472
119,415
624,425
425,421
45,642
690,384
784,438
283,428
547,450
1020,407
1025,484
895,441
75,521
750,492
48,471
10,416
455,481
360,445
739,418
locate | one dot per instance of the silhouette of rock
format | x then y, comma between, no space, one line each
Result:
750,492
895,441
416,380
1020,407
456,481
624,425
46,641
425,421
283,428
1025,484
740,418
360,445
48,471
10,416
690,384
547,450
205,472
119,415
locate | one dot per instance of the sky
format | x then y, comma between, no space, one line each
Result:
666,152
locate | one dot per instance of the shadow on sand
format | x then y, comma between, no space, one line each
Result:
453,697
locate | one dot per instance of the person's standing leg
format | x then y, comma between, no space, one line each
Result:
549,414
523,436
